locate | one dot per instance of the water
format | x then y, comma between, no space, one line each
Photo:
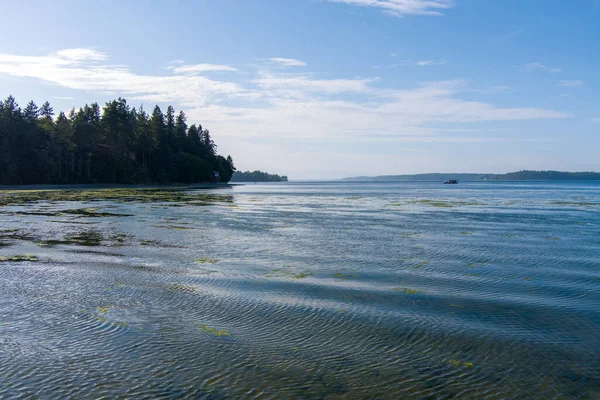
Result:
307,290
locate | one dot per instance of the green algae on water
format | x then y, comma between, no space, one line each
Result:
105,309
121,195
287,272
464,364
19,258
206,260
214,331
406,290
85,238
175,227
342,276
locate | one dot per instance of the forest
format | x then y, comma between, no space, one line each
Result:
111,144
257,176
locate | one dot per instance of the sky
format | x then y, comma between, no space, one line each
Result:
324,89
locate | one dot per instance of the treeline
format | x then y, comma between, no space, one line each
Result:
257,176
511,176
544,176
112,144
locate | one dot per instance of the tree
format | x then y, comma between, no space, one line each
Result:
180,132
170,129
46,111
31,112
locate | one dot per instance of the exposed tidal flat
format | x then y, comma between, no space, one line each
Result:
302,290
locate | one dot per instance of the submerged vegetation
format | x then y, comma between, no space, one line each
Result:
214,331
19,258
407,291
342,276
121,195
288,271
464,364
206,260
110,144
91,237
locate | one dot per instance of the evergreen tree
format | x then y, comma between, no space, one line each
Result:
46,111
180,132
31,112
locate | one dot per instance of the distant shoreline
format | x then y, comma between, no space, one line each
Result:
519,176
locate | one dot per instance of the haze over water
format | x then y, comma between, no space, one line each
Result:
306,290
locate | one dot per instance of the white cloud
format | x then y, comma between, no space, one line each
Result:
80,54
400,8
63,98
197,68
287,62
278,107
532,66
307,85
418,63
429,62
68,68
571,84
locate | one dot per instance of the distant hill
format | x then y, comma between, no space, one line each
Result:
257,176
511,176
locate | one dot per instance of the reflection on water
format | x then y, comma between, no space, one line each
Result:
308,290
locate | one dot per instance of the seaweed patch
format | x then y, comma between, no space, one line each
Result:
406,290
206,260
214,331
19,258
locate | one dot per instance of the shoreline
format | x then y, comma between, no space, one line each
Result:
92,186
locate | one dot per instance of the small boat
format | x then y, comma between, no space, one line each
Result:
451,182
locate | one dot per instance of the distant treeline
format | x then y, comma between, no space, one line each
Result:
112,144
257,176
511,176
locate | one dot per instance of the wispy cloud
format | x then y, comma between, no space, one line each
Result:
81,54
400,8
571,84
532,66
197,68
297,107
305,84
63,98
287,62
417,63
79,69
429,62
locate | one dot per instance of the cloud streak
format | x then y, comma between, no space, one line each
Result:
571,84
287,62
401,8
532,66
198,68
429,62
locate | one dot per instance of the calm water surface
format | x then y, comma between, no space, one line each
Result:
307,290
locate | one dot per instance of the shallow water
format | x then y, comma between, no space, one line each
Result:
306,290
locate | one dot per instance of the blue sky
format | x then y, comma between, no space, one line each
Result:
332,88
